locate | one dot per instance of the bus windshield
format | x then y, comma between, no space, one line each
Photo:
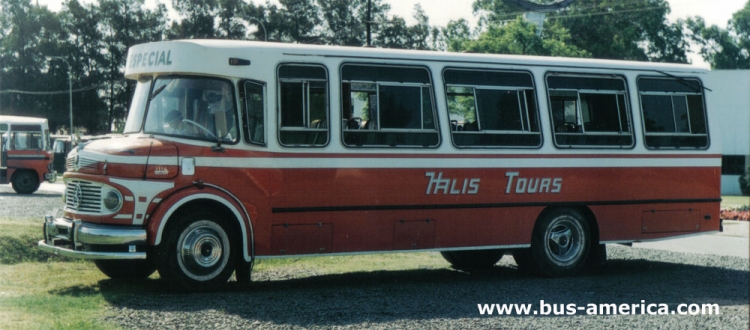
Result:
188,107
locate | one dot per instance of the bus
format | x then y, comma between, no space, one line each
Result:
239,150
25,154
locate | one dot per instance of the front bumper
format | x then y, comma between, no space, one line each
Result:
75,239
50,176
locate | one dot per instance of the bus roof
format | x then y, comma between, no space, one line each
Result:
212,57
22,120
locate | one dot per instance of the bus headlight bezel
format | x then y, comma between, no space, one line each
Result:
112,200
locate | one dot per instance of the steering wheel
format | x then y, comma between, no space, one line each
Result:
203,129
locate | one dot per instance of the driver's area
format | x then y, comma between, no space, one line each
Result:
194,108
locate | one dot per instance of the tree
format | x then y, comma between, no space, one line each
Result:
29,32
724,48
125,23
230,25
520,37
198,19
345,20
613,29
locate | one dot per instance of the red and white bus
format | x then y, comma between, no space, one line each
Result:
25,154
238,150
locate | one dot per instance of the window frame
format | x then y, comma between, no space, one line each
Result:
583,134
519,90
235,94
383,132
306,84
672,95
246,116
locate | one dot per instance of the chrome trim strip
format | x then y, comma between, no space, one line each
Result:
89,254
503,247
108,235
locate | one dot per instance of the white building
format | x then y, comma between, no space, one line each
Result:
729,102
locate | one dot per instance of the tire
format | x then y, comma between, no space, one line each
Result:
25,182
473,259
560,243
126,269
198,252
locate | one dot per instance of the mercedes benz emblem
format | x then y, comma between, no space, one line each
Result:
77,196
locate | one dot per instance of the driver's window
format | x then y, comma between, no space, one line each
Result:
195,108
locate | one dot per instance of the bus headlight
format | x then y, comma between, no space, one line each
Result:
112,200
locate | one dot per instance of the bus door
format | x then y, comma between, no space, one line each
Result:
3,153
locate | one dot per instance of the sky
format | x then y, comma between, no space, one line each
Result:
440,12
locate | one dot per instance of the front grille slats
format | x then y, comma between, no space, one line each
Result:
83,196
83,163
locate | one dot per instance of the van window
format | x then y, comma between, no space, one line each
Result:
589,111
492,108
303,105
387,106
674,115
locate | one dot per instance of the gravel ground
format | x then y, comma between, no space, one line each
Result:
434,296
446,298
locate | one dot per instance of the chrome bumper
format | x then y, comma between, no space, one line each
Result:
72,238
51,176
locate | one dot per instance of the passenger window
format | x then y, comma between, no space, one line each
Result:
254,113
387,106
673,113
589,111
492,108
303,105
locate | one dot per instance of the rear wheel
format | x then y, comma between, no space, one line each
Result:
473,259
560,243
25,182
197,253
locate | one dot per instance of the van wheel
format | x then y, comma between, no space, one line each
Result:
25,182
197,252
560,242
126,269
473,259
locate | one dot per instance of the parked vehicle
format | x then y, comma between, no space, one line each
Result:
25,155
237,150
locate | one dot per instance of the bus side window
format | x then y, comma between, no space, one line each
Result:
254,113
492,108
303,105
388,106
673,113
589,111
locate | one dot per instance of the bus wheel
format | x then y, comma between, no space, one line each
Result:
25,182
560,242
473,259
197,253
126,269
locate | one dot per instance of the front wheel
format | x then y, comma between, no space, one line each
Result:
197,254
25,182
560,243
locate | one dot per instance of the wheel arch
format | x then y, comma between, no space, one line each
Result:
212,199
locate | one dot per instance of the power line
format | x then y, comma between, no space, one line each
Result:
15,91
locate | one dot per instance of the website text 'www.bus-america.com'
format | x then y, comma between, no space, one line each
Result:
562,309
